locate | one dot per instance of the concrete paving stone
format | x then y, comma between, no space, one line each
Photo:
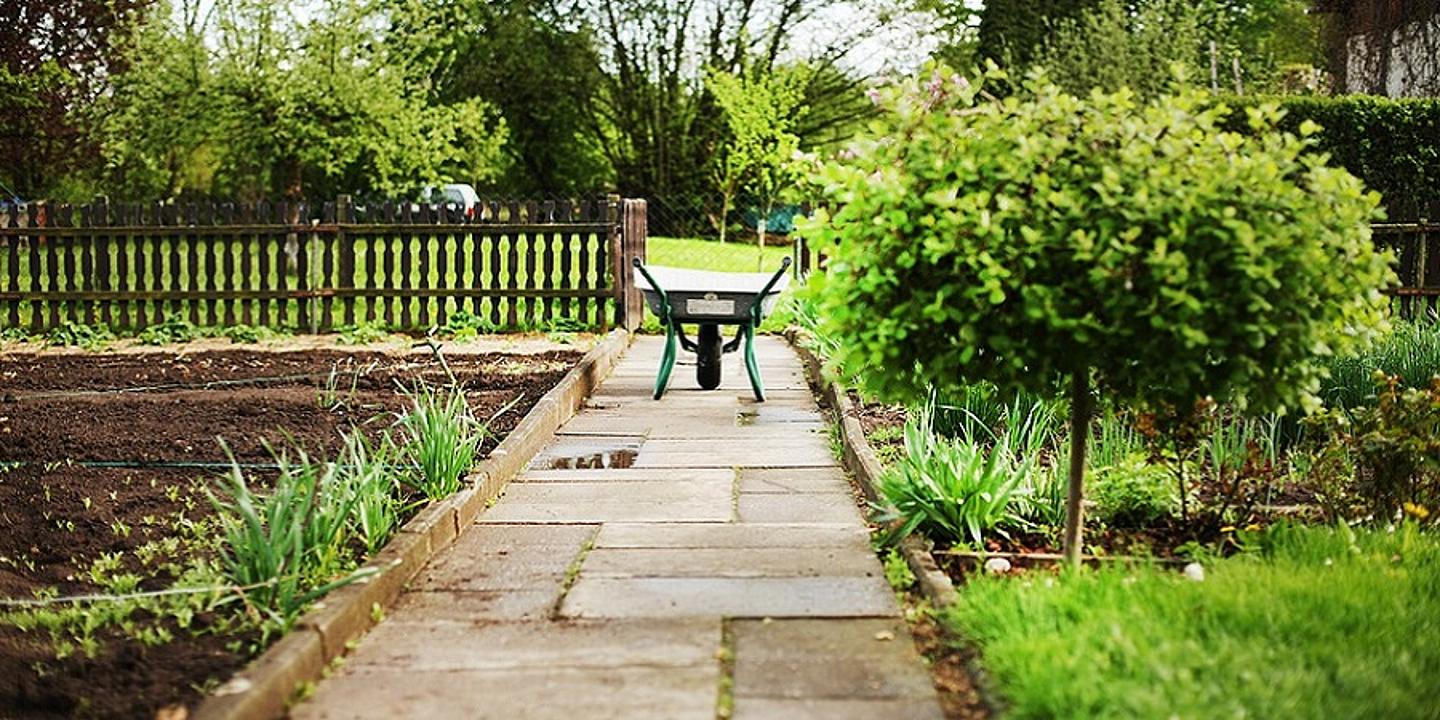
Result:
729,597
590,502
813,452
480,605
862,659
799,508
793,480
427,645
588,451
732,535
682,693
498,558
725,562
752,708
722,476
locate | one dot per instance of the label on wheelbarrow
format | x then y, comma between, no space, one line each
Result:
709,306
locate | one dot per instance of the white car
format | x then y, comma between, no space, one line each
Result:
454,195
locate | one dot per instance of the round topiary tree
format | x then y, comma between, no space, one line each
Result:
1137,247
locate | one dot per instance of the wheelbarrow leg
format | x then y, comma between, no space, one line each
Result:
667,360
751,366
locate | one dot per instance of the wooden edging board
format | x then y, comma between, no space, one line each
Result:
265,687
866,468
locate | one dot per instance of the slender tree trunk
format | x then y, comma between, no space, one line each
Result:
1080,411
724,213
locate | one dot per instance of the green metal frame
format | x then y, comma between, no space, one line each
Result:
673,334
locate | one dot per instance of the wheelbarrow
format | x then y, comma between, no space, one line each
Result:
710,299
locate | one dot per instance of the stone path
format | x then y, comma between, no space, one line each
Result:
729,560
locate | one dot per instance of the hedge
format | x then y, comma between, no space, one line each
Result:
1393,145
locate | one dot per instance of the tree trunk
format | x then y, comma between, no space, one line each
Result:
724,213
1080,411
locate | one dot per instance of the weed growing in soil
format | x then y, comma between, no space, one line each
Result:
442,438
362,334
70,334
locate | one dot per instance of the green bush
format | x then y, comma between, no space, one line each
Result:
1393,145
71,334
1133,493
175,329
1395,448
1045,235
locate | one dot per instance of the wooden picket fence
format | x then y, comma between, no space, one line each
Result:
512,265
1417,261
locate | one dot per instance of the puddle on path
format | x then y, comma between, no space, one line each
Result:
590,453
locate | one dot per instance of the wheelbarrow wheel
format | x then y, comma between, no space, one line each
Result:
707,361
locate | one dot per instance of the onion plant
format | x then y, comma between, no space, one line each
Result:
370,474
953,489
441,438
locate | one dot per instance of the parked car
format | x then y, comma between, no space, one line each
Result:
456,196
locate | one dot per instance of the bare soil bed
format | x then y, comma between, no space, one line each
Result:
101,454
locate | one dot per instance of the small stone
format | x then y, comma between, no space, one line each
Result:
1195,571
884,636
236,686
172,712
997,566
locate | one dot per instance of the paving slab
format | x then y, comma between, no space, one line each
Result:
682,693
865,659
720,476
794,480
726,563
478,606
732,535
729,597
752,708
506,557
591,502
799,508
422,644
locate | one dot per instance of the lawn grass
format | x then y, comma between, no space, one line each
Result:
713,255
1322,624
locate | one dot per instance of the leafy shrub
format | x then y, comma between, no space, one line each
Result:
1392,144
1133,493
952,489
175,329
1395,448
464,325
71,334
1138,246
14,334
362,334
250,334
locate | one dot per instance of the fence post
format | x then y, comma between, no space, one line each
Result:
629,302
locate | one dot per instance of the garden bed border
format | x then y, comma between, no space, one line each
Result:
861,461
266,687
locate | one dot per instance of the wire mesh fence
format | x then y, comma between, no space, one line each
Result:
689,233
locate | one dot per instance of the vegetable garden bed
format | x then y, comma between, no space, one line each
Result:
107,462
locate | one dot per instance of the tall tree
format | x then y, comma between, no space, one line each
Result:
55,60
280,107
761,110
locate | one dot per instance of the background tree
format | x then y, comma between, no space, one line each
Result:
761,110
1136,247
55,59
273,107
1112,46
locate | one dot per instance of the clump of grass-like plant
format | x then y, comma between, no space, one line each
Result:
442,438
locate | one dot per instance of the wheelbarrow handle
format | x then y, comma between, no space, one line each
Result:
756,310
664,299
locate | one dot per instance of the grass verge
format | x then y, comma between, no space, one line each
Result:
1317,623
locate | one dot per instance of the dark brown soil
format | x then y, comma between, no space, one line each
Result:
57,515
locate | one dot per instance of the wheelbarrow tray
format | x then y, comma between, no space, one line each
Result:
704,296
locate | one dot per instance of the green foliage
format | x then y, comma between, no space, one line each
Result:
1044,235
1393,145
463,325
243,101
1410,351
1110,47
175,329
441,438
72,334
288,546
953,490
1395,448
761,108
897,571
250,334
362,334
1133,493
1323,623
370,474
1011,31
